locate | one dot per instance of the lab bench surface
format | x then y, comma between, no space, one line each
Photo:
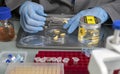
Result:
48,39
11,46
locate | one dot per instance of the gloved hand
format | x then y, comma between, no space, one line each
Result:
32,17
73,23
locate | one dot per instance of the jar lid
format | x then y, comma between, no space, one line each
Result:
5,13
116,24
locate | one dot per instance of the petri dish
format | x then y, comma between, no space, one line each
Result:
35,40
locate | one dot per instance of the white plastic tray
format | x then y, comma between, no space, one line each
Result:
4,55
35,68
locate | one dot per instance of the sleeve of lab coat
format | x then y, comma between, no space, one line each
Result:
113,9
13,4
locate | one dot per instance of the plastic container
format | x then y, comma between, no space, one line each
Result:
6,55
35,68
70,66
6,28
89,30
117,72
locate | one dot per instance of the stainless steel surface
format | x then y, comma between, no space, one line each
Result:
71,40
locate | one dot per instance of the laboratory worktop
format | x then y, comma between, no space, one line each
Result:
11,46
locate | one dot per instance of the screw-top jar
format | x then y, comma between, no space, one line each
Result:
6,28
89,30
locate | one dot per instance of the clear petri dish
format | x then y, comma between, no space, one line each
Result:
35,40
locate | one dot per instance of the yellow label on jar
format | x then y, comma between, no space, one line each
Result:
90,19
81,33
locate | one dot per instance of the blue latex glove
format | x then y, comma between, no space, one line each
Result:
32,17
73,23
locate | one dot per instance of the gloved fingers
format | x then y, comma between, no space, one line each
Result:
32,22
37,6
102,15
69,22
23,26
22,19
98,12
28,28
77,16
84,11
73,26
40,10
26,20
32,14
34,6
31,27
25,4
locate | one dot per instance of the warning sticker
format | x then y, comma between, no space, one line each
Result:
90,20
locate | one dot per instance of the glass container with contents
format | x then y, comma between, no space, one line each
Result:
89,30
56,36
6,28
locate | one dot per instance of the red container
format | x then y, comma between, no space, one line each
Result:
117,72
70,68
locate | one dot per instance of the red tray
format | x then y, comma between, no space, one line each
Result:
117,71
70,68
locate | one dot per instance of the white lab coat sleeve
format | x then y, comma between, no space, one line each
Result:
113,9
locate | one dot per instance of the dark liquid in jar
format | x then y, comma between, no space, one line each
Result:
6,33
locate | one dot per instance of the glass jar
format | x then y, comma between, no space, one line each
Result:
89,30
55,35
6,28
